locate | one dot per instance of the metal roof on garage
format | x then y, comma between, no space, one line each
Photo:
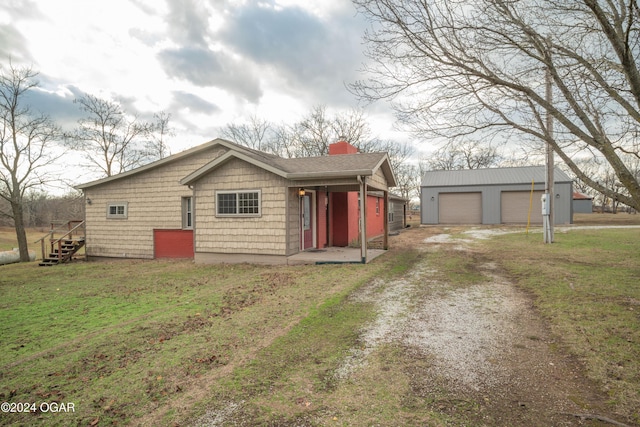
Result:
490,176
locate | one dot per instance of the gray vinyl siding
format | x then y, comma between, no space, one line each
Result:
583,206
397,206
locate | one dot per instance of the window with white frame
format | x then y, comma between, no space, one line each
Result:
117,210
238,203
187,212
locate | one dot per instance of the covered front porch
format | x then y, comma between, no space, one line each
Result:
333,255
337,220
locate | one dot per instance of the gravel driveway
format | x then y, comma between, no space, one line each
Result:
486,345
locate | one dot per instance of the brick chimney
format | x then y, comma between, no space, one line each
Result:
341,147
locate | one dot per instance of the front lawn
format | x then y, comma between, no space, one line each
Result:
121,339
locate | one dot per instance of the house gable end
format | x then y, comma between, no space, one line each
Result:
213,165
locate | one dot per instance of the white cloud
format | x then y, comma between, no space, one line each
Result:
206,62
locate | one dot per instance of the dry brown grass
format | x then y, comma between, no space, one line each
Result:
606,219
9,241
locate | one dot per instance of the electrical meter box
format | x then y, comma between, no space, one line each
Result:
545,204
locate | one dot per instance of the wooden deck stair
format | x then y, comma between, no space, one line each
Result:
65,253
64,248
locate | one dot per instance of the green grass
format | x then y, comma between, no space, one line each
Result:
587,284
122,340
159,342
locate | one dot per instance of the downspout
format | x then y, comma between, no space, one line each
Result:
193,218
326,214
363,218
86,202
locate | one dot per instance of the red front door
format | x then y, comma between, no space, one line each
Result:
306,221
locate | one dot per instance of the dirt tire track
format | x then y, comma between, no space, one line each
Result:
489,349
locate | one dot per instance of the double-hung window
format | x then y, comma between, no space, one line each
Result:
238,203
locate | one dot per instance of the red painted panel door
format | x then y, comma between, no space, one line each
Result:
173,243
307,222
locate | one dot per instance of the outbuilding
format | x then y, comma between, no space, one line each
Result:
582,203
397,216
493,196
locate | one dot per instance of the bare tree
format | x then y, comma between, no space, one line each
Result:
157,147
283,141
313,133
309,136
399,152
456,68
26,140
406,175
112,141
255,134
43,209
465,155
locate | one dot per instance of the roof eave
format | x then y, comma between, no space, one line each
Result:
155,164
329,174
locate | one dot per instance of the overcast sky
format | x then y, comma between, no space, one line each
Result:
207,63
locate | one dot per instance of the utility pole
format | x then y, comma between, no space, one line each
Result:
547,204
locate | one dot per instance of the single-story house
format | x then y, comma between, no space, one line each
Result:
222,202
493,196
582,203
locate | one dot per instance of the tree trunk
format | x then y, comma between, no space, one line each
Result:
21,233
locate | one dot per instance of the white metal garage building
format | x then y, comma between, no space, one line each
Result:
492,196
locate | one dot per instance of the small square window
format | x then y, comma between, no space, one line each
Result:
117,210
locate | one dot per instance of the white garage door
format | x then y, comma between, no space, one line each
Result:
460,208
514,207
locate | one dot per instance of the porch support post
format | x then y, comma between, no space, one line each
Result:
385,240
363,219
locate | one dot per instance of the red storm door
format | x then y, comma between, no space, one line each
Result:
307,222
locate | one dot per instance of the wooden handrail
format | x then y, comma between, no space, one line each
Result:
58,241
70,232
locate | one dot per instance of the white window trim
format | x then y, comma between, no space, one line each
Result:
187,215
238,215
124,215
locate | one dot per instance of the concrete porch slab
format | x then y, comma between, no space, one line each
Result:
333,255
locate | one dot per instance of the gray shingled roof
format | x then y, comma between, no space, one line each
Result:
491,176
340,162
298,168
338,166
